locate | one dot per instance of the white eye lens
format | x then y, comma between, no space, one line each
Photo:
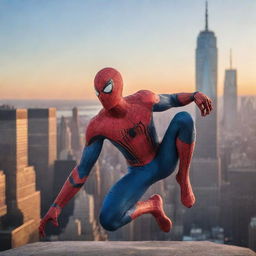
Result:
108,88
97,93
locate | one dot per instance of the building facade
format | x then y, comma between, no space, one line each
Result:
3,208
20,223
42,143
64,139
230,99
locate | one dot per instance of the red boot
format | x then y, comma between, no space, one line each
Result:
185,154
153,205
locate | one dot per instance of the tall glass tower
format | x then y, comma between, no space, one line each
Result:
230,99
206,82
205,167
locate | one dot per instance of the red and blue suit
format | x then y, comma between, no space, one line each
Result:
127,122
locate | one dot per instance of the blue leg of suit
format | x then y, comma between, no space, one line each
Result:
122,197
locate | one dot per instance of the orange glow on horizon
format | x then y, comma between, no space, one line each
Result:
78,83
80,91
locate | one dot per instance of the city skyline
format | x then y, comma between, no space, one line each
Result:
59,46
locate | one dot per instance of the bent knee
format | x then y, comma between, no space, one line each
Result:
184,118
187,127
108,221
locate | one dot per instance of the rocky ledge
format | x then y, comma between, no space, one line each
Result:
147,248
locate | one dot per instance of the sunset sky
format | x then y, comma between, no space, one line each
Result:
53,48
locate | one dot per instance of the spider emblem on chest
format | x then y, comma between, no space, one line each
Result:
138,129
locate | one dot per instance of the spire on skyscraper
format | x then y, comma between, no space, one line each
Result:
206,15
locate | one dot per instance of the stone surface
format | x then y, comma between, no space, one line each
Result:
148,248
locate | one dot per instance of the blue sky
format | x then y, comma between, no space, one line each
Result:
59,45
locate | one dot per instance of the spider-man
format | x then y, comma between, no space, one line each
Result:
127,122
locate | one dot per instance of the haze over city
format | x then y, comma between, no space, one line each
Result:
52,51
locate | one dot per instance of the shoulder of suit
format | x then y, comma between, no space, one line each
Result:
93,129
145,97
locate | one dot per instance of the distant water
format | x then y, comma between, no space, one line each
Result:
82,110
64,107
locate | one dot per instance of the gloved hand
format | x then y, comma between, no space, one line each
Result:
52,215
203,102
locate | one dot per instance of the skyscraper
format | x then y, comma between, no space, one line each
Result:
2,195
42,136
206,82
205,167
20,224
230,98
64,139
75,134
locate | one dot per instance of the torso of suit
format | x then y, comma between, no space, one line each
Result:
132,133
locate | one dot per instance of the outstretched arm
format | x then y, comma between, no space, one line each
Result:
72,185
167,101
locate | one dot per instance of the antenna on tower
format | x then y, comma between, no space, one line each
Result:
206,15
230,58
